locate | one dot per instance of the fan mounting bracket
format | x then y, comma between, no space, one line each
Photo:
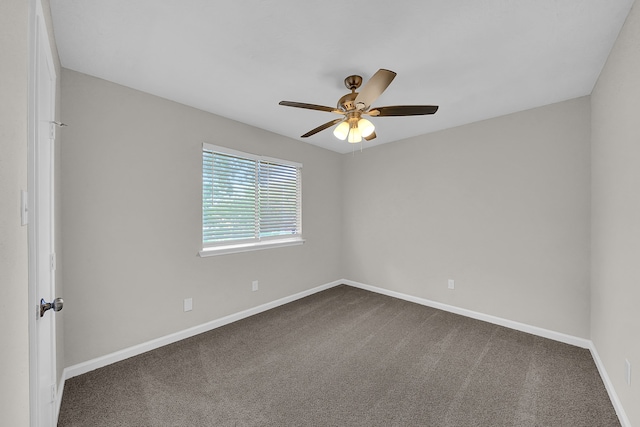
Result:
353,82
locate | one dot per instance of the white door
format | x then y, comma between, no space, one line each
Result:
41,239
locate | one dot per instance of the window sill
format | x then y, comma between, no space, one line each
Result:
246,247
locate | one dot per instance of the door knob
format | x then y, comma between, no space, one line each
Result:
56,305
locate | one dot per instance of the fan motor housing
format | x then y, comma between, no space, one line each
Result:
347,102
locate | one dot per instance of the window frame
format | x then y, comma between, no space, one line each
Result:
256,243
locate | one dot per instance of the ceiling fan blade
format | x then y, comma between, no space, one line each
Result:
374,88
403,110
310,106
370,137
321,128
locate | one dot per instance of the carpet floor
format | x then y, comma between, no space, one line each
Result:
347,357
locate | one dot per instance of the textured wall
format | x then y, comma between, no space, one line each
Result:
500,206
132,216
615,128
14,351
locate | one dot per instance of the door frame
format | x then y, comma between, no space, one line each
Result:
38,33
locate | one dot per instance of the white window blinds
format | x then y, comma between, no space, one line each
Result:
247,198
279,196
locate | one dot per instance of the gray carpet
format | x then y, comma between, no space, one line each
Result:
347,357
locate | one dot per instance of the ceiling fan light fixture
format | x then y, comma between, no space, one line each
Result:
341,131
366,127
355,135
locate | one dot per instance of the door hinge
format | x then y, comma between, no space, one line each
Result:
52,128
53,261
53,392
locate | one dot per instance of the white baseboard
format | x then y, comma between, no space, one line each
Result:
117,356
534,330
108,359
615,400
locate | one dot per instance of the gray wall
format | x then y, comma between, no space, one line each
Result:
14,351
615,228
132,219
500,206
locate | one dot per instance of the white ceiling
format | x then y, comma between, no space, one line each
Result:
476,59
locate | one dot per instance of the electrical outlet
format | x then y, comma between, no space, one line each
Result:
188,304
451,284
254,285
627,366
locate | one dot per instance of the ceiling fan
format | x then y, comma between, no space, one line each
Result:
353,127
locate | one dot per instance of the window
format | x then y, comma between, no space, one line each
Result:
249,202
